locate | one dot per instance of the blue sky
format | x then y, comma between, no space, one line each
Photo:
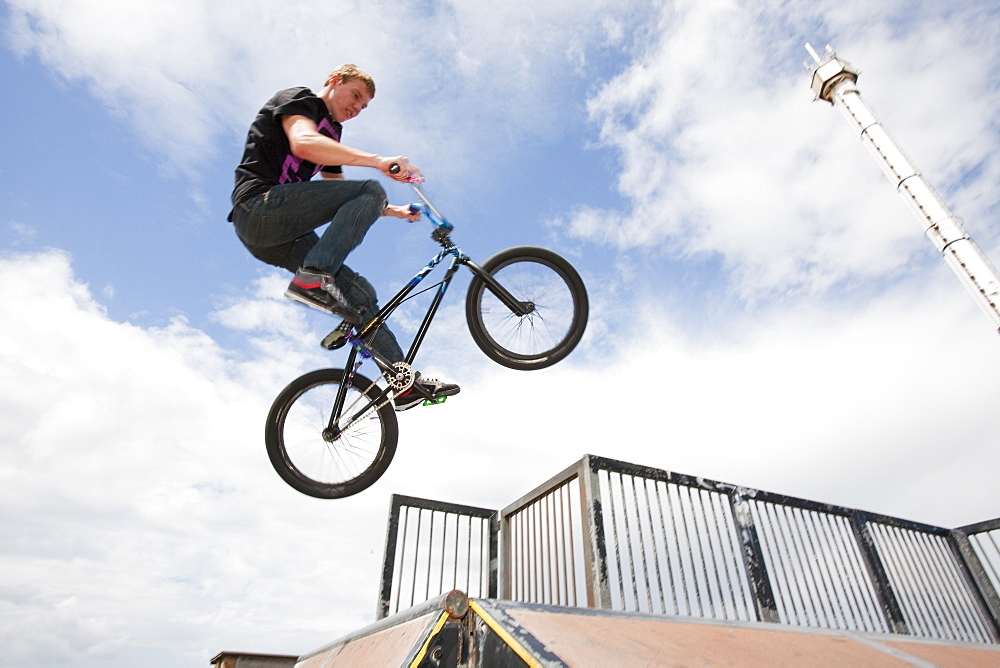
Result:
765,310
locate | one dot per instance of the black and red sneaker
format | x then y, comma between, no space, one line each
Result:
315,288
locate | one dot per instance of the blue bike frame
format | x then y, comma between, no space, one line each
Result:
441,234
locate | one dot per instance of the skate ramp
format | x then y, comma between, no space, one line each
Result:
456,631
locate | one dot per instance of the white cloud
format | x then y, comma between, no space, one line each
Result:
723,153
183,75
876,409
140,510
137,495
20,232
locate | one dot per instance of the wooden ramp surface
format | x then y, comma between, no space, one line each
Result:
534,635
609,640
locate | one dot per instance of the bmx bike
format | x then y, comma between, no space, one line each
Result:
332,433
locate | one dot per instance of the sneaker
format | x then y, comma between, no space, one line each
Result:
436,388
315,288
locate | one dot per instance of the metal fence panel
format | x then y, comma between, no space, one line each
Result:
545,548
986,545
615,535
929,582
673,549
817,569
433,547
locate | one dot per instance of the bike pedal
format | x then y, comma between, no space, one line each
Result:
434,401
334,340
338,337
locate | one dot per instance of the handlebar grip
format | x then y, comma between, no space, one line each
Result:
416,207
394,168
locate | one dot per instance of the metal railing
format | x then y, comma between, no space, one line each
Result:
432,547
614,535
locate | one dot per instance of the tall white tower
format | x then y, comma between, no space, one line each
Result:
835,81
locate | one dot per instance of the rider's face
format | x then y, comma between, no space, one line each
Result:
349,99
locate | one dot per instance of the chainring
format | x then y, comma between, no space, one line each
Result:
403,378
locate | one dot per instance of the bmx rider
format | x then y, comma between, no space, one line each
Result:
277,206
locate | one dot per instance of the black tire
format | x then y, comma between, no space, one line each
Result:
553,328
330,469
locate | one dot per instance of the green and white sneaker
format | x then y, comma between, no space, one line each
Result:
436,388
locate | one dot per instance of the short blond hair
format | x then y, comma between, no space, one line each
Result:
349,72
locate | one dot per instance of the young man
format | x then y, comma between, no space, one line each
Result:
277,206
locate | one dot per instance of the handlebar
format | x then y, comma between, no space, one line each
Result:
424,205
432,214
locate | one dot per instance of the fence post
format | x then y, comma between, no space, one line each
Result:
979,581
594,548
753,558
388,559
595,551
494,555
880,579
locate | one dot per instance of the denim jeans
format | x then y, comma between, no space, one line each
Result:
278,227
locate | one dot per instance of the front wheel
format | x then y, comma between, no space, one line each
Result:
552,293
331,458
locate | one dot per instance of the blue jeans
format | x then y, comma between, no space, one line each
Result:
278,227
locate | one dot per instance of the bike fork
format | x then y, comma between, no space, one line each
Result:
516,306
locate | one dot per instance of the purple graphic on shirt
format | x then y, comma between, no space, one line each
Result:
291,166
325,124
289,170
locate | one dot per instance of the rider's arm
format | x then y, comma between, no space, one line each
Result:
308,144
402,212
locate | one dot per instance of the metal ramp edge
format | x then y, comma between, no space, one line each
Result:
440,632
453,630
394,640
584,637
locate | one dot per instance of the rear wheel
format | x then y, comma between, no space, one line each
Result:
554,296
324,460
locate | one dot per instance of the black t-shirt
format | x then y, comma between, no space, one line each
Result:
267,157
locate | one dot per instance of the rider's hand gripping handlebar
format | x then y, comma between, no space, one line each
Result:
424,205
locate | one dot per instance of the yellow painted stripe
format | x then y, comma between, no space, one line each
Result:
423,650
506,637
